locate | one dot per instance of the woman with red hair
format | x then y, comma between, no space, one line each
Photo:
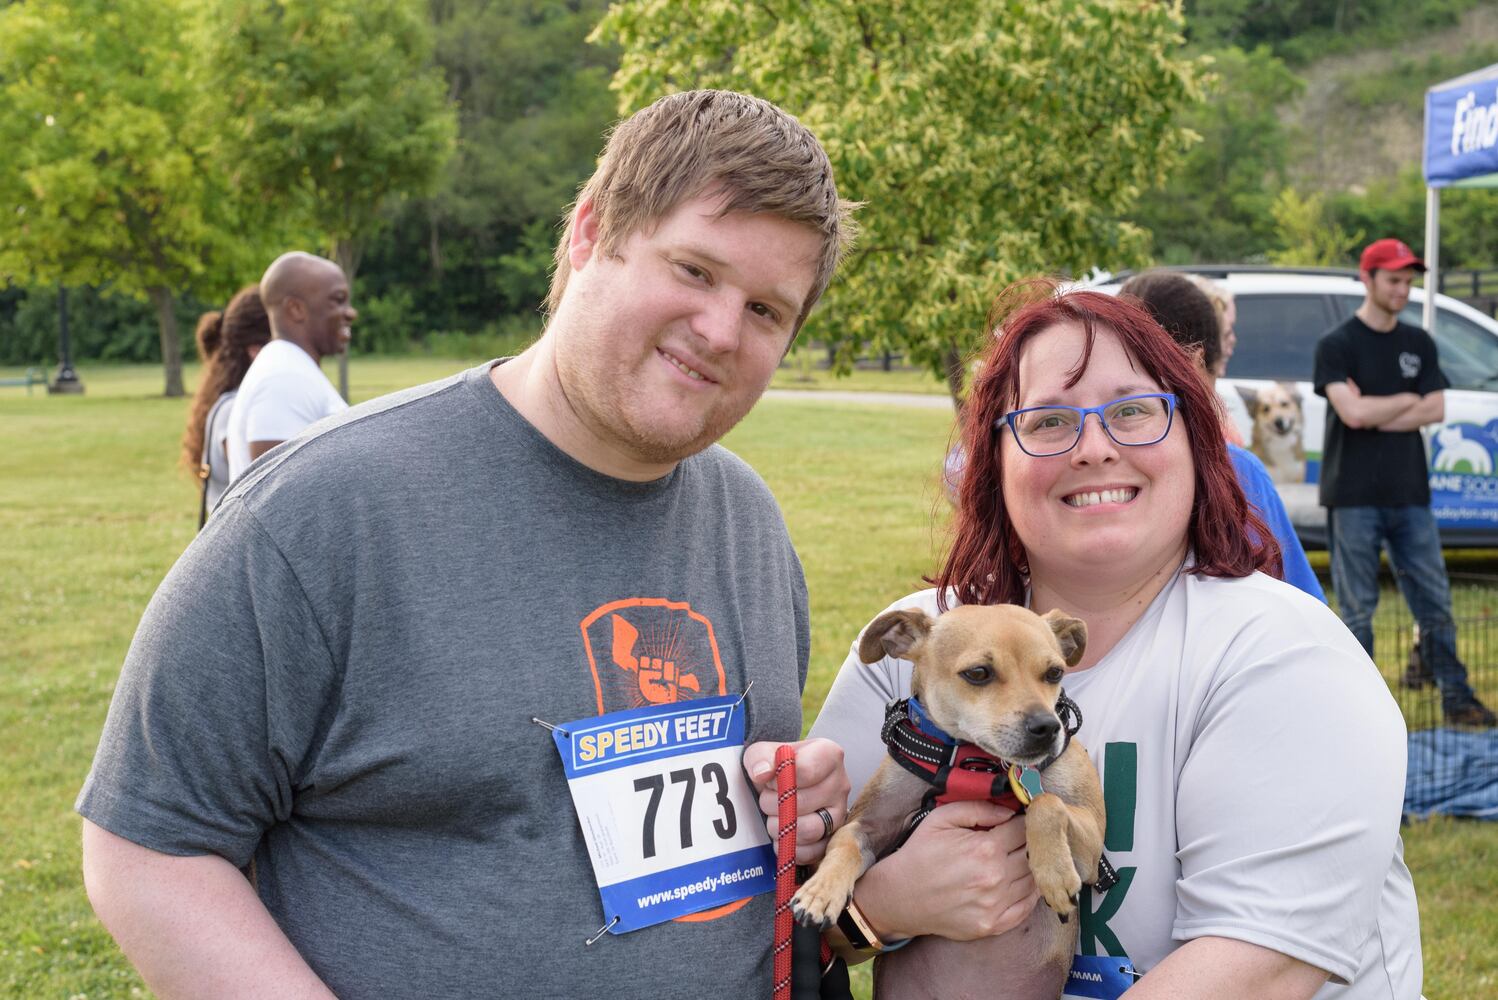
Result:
1252,758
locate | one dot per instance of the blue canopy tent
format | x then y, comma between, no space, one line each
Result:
1461,150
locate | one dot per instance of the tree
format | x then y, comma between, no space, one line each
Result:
108,179
327,109
533,101
1216,205
1307,238
991,139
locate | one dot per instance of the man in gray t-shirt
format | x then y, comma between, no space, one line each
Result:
337,682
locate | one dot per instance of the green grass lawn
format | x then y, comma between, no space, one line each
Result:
94,509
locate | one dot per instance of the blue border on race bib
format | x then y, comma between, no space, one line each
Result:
620,739
689,889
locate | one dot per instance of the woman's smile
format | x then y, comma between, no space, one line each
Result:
1099,497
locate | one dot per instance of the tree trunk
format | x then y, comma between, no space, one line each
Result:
346,253
951,362
171,343
434,246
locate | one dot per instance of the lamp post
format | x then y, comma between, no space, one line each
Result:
66,380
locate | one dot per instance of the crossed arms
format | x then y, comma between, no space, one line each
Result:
1403,411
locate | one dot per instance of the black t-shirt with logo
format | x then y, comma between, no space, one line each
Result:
1374,468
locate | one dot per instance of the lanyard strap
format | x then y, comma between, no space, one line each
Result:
785,867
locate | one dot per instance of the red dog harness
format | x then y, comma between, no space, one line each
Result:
964,772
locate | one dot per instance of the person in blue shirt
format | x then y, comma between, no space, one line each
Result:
1187,314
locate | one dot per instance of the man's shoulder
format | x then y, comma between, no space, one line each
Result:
1339,332
1413,334
717,463
391,435
279,367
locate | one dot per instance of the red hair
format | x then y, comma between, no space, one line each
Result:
986,563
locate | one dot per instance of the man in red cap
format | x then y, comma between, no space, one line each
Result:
1383,381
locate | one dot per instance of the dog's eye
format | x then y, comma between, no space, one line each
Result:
977,675
1053,675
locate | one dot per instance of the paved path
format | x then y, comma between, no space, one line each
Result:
929,402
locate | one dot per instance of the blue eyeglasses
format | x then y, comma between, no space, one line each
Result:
1133,421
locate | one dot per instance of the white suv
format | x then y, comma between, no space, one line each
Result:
1282,313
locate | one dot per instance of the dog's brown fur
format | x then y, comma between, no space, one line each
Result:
1005,713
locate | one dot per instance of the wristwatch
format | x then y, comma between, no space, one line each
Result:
860,935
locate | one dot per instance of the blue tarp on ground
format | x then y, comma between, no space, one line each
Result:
1454,772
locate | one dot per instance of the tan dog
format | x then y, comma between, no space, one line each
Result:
989,676
1277,424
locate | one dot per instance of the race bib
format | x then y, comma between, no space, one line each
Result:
670,821
1098,977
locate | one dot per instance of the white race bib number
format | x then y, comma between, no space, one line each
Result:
670,822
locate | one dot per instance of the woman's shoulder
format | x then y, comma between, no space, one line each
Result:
1258,617
1259,599
924,600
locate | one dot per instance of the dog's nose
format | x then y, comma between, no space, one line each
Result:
1042,725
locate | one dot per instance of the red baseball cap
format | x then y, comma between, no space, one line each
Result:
1389,255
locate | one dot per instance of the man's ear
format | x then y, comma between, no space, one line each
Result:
894,633
296,309
1070,632
582,238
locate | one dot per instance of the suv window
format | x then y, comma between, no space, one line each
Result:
1468,353
1277,335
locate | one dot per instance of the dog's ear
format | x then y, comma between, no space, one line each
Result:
1070,632
1249,396
894,633
1292,392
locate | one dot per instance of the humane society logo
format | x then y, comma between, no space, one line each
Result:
1463,488
1464,448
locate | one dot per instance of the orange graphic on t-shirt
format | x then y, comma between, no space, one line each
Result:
651,651
660,682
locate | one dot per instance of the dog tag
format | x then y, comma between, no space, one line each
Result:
670,821
1025,781
1098,977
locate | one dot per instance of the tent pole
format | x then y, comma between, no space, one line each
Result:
1432,256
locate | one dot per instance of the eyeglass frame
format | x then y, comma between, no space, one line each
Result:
1171,405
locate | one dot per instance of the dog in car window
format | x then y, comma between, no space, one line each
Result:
1278,420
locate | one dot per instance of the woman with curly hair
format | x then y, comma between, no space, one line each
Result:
227,342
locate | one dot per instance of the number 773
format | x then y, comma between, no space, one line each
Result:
724,826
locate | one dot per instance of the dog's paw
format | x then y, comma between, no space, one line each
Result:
818,903
1060,890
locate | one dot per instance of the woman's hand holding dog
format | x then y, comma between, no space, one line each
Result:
951,879
821,783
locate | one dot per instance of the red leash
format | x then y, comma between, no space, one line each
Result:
785,867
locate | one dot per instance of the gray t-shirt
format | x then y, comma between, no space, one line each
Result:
338,677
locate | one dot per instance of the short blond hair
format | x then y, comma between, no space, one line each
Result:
700,141
1220,296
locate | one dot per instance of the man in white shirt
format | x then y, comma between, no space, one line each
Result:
307,299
